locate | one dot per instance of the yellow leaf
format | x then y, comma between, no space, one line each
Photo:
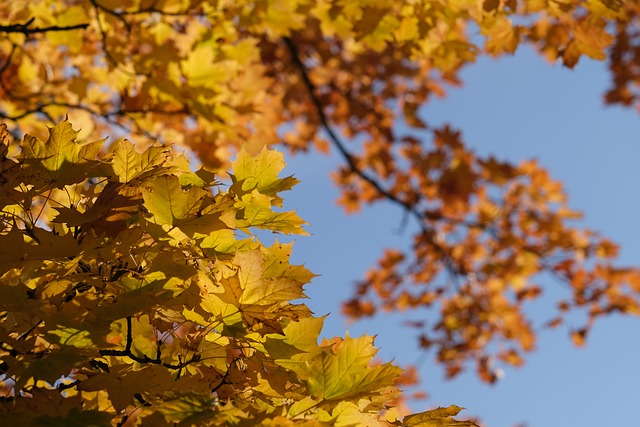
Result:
203,68
282,16
349,414
276,259
261,171
440,417
128,164
72,337
70,16
60,160
28,72
345,372
408,29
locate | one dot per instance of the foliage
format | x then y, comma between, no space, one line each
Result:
134,292
212,75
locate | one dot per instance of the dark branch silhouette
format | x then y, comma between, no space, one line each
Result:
27,29
146,359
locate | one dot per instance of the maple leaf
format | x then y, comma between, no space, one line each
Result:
276,265
168,202
122,383
298,340
189,408
51,368
60,159
259,300
258,213
261,172
440,417
129,165
344,372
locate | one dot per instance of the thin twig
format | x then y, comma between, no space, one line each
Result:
144,358
24,28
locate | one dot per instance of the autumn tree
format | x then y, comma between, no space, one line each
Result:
350,76
134,292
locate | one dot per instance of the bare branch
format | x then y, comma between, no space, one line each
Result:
146,359
24,28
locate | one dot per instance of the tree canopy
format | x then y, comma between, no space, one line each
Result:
225,77
131,297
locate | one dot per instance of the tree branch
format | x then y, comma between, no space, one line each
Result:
144,358
63,387
146,10
24,28
408,207
37,110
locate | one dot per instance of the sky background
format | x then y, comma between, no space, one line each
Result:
517,108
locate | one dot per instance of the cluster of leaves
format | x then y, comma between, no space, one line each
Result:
129,297
211,75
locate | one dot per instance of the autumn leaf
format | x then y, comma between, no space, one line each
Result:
276,265
261,172
124,312
122,383
128,164
50,368
169,202
440,417
344,372
60,159
189,408
75,417
258,212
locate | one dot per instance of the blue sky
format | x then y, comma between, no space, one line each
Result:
517,107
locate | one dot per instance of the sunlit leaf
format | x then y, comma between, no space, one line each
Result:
348,373
440,417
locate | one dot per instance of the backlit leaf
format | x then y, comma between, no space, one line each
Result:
128,164
347,372
440,417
